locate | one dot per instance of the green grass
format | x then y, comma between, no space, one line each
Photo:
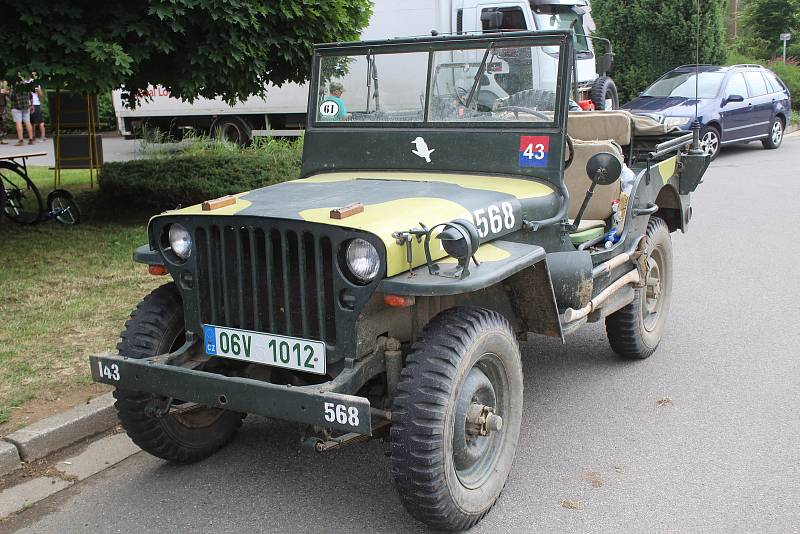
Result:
66,292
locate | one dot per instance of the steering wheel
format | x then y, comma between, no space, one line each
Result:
571,147
516,110
461,95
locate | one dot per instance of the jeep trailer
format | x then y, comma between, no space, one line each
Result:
382,295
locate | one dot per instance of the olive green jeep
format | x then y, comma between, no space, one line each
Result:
451,204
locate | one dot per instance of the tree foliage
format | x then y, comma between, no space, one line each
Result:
228,48
762,22
651,37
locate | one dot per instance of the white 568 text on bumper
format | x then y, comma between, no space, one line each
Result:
339,413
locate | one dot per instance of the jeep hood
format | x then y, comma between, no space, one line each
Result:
394,202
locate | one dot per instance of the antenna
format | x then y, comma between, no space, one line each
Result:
696,123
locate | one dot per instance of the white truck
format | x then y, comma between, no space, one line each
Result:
282,111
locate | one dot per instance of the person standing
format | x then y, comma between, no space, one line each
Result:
36,117
4,93
22,105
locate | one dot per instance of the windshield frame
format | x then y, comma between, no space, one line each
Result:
558,38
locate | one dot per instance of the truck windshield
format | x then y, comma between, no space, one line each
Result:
682,85
480,84
562,18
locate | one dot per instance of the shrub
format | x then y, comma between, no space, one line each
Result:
651,37
790,74
198,171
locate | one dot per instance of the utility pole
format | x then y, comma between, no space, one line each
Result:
735,15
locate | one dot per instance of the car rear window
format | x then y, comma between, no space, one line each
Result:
774,82
756,82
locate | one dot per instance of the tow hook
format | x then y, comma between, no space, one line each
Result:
481,420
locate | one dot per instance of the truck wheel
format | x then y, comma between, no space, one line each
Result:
604,93
232,129
184,435
635,330
456,418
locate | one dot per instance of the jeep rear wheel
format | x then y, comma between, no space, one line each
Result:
636,330
456,418
187,433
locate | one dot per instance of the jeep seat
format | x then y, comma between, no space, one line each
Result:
577,182
600,125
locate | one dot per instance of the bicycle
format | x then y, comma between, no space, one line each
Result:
21,201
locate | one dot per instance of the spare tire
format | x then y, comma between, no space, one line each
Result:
603,93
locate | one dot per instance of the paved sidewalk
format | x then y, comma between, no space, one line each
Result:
115,148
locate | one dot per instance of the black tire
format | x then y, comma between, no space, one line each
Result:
710,141
636,330
156,327
62,205
447,476
775,138
603,90
23,202
232,129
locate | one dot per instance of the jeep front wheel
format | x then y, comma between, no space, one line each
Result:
456,418
635,330
187,433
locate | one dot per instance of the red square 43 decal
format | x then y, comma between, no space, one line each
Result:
533,150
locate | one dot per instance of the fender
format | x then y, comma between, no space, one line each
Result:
522,268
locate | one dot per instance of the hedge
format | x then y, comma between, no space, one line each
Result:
197,175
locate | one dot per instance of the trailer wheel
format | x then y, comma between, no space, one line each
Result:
635,330
604,93
188,433
456,418
232,129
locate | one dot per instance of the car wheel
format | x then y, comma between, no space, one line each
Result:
710,141
456,418
775,135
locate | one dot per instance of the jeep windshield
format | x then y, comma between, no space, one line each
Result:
488,82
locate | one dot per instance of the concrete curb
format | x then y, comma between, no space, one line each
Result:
9,458
58,431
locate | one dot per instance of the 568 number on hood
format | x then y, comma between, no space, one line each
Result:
494,218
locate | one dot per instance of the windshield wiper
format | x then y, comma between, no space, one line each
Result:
478,75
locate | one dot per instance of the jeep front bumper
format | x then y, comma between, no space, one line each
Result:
303,404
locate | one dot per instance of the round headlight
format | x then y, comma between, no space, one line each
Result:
180,241
363,260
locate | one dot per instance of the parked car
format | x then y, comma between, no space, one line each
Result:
735,104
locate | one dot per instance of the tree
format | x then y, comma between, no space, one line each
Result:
228,48
651,37
764,20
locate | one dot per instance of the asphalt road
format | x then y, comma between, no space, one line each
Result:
722,456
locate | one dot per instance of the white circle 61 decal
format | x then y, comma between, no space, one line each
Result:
494,218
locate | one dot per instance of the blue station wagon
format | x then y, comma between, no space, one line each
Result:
735,104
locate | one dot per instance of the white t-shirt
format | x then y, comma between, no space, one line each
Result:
35,97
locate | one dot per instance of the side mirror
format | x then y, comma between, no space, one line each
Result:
604,63
603,168
733,98
492,20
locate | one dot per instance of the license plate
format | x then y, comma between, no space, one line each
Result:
279,351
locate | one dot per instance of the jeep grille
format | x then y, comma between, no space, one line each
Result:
266,280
